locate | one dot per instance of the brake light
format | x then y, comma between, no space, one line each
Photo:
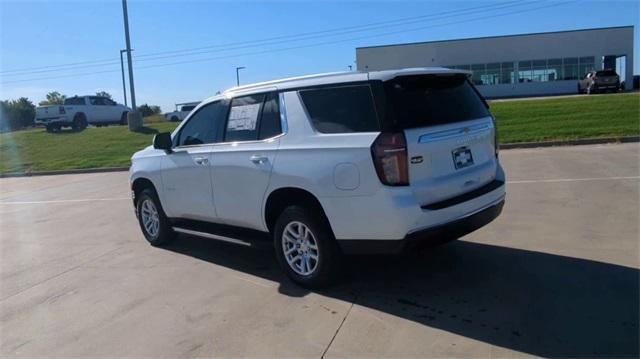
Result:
389,152
61,110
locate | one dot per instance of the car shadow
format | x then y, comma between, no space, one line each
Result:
533,302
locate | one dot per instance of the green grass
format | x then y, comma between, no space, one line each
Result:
38,150
518,121
567,118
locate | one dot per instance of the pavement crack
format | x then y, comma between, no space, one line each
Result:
355,298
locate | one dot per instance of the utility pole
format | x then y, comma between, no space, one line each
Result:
124,85
134,118
238,74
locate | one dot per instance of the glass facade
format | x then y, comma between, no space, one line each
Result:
569,68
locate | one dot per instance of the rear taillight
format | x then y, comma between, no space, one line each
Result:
389,153
62,111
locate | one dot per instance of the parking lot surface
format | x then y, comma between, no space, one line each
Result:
556,275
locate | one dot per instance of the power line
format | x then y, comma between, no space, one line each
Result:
265,41
302,46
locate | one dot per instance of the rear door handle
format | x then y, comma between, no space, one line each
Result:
202,161
257,159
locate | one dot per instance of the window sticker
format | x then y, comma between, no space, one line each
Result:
244,118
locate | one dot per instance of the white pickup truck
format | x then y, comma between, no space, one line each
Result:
179,115
79,111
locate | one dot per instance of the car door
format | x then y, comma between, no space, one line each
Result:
242,164
186,174
97,110
113,110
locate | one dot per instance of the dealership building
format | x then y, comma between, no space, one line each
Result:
547,63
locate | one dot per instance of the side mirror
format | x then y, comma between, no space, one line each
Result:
162,141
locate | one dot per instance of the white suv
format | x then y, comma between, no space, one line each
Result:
325,165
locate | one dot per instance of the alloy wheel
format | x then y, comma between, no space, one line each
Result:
300,248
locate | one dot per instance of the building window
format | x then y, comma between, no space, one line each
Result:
478,71
524,71
554,69
507,75
586,64
492,74
539,71
571,68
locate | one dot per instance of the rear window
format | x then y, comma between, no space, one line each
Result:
342,109
74,101
606,73
428,100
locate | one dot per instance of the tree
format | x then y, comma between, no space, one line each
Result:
147,110
16,114
104,94
53,98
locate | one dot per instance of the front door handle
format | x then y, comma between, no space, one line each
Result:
257,159
202,161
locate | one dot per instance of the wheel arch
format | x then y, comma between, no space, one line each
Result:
140,184
283,197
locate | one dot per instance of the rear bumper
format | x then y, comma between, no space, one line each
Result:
63,121
425,237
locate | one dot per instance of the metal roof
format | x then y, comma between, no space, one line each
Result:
496,37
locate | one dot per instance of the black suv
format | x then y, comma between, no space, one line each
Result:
597,81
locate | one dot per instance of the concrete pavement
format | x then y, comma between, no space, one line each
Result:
555,275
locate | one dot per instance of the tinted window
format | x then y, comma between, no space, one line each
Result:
341,109
606,73
96,101
74,101
427,100
243,118
109,102
205,126
270,121
187,108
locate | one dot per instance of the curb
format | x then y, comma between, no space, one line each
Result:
64,172
506,146
586,141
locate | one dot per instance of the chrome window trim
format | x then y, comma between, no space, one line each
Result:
283,124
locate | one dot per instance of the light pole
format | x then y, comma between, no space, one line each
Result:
134,118
124,86
238,74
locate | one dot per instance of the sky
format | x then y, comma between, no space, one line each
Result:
37,34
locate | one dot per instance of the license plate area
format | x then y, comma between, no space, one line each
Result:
462,157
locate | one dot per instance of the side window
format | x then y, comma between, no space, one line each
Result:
74,101
205,126
95,101
341,109
270,125
243,118
109,102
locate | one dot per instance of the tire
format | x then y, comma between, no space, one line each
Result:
53,128
79,122
123,118
320,242
157,232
